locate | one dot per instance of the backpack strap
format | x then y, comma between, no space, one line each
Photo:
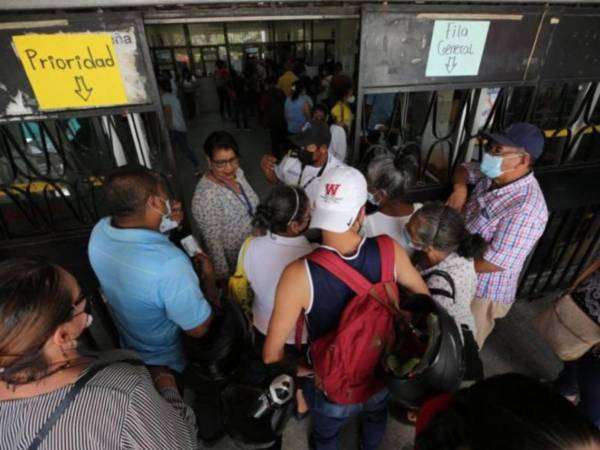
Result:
299,330
444,293
338,268
387,255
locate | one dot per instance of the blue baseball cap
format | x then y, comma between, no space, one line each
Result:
522,135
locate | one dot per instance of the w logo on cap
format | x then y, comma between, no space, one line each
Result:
331,189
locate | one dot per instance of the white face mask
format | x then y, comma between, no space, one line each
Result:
351,99
166,223
371,199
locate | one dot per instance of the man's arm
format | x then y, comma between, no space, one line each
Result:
483,266
458,198
268,164
291,297
201,329
406,274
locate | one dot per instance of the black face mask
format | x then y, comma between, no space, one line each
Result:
306,157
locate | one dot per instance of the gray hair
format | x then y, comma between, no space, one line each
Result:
392,173
442,228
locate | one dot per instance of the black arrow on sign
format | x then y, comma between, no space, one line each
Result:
82,90
451,64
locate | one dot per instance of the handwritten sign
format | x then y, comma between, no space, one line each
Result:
456,48
77,70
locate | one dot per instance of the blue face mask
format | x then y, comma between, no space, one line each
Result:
491,166
407,241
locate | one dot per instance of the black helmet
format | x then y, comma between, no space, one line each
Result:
217,354
255,416
427,358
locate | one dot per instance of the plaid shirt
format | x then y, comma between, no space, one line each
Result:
511,219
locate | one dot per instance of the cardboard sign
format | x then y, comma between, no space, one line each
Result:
456,48
78,70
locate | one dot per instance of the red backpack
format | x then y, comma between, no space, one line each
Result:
346,359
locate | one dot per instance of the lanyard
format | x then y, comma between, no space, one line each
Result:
319,173
243,198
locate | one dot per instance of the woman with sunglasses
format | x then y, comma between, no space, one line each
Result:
53,396
223,204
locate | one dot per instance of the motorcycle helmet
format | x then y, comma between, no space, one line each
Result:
255,416
427,356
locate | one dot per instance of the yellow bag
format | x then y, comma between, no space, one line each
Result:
238,287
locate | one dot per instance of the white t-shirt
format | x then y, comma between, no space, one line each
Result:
265,260
289,171
339,145
177,120
379,223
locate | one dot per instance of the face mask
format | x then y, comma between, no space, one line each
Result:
371,199
166,223
491,165
306,157
407,241
351,99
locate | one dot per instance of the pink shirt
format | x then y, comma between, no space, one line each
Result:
511,219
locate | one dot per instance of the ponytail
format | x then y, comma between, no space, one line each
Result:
263,218
283,205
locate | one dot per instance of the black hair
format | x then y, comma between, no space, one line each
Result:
283,205
128,189
218,140
320,107
34,301
443,228
392,173
297,89
165,85
508,412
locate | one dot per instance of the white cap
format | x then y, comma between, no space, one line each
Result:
342,192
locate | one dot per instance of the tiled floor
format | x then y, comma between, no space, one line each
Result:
513,346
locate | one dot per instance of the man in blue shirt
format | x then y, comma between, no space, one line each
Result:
150,284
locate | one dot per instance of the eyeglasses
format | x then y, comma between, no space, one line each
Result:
222,163
87,308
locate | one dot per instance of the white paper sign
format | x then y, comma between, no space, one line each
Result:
456,48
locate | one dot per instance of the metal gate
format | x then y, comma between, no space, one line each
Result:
53,161
531,70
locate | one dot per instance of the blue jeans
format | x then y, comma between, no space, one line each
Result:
582,377
329,418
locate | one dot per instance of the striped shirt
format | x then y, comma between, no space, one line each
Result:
119,408
511,219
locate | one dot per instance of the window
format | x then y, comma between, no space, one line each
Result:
241,33
165,35
324,30
206,34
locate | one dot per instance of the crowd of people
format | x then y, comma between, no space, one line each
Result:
325,239
282,98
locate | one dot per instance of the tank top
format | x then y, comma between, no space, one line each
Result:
294,112
330,295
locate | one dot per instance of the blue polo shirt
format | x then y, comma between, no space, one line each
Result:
152,289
